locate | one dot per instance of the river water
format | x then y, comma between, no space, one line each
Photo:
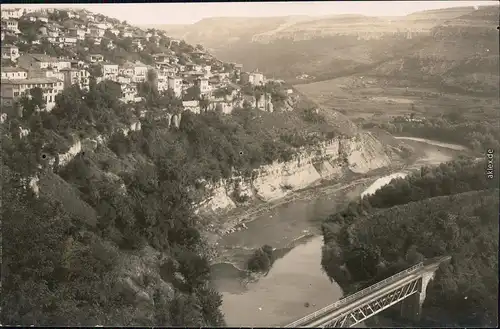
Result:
381,182
296,278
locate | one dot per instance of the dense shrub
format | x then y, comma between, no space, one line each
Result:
261,260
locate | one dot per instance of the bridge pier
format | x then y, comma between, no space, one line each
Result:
411,307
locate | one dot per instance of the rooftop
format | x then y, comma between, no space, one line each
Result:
12,69
42,57
29,81
164,63
36,14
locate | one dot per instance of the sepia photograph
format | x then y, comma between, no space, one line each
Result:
288,164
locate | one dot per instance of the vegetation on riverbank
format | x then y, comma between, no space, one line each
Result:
448,210
261,260
479,135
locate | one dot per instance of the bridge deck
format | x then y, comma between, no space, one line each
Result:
369,293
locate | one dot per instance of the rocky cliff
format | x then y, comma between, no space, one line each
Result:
360,153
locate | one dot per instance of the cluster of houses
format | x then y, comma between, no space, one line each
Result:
210,78
85,24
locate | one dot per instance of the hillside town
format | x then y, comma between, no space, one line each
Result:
54,49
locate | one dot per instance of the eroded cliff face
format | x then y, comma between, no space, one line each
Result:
328,161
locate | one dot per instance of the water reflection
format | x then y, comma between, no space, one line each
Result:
279,297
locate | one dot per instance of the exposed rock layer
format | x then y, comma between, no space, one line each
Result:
360,154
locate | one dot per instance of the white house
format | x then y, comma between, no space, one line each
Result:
254,78
114,31
129,92
14,13
77,33
10,52
205,88
140,73
193,106
175,84
110,71
95,58
96,32
10,25
11,90
14,73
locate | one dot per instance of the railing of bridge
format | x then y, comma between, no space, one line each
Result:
354,296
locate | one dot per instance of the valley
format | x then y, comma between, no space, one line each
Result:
458,44
293,228
246,171
372,99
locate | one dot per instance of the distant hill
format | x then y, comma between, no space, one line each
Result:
222,31
327,47
461,56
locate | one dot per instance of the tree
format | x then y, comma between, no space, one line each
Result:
37,98
454,116
96,71
194,268
193,93
362,263
204,103
261,260
105,43
413,257
149,88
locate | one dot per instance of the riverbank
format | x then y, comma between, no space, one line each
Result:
238,219
281,225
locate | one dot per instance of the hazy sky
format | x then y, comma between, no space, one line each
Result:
186,13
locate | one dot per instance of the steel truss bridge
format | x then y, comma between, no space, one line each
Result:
408,285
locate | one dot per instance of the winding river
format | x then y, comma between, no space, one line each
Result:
296,284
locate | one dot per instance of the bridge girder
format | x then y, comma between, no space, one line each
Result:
356,308
372,307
